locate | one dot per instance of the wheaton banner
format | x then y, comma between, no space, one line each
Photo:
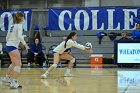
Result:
6,19
103,18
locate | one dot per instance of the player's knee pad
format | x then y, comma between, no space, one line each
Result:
54,65
17,69
73,60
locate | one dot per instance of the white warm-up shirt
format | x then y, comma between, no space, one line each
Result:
70,43
14,35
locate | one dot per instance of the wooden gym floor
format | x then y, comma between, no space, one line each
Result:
87,80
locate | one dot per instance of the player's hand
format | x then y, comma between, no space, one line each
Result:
89,50
26,47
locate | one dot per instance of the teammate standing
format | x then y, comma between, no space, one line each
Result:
13,38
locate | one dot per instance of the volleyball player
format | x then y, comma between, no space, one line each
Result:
13,38
60,54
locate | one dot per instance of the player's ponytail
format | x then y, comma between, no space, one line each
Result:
17,17
69,37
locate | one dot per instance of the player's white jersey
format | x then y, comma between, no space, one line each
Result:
70,43
14,35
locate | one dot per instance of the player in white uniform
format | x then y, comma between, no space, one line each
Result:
60,54
13,38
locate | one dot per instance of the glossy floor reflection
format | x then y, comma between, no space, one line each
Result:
86,80
128,81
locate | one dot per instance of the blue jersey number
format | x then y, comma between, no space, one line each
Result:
11,29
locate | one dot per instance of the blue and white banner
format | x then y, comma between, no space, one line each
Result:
6,19
104,18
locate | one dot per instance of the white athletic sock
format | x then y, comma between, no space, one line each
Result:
14,80
68,70
46,72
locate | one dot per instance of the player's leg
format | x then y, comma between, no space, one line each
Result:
10,68
8,74
30,59
54,65
16,60
40,59
71,59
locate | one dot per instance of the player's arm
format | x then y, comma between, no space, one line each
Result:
9,29
32,48
40,48
75,44
21,37
89,50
